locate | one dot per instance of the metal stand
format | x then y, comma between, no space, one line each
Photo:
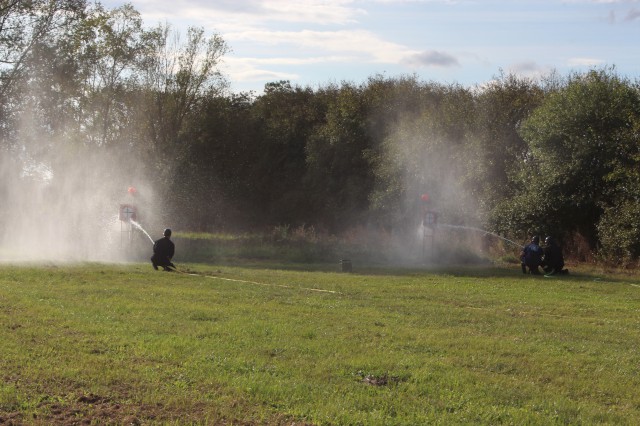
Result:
127,214
431,237
429,221
126,232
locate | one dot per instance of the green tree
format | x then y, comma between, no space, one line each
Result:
339,177
583,156
176,75
286,116
23,24
77,91
219,177
109,47
424,152
26,26
496,150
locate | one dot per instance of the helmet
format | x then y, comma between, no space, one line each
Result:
535,239
167,232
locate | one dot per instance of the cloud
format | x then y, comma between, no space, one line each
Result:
275,35
525,67
431,58
529,69
362,45
234,6
313,11
255,74
251,70
632,15
585,62
253,12
423,1
291,61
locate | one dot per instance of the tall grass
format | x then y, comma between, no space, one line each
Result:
258,345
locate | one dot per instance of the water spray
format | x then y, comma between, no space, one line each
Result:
471,228
429,224
137,225
429,221
129,215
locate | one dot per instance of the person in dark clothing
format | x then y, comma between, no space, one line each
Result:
531,257
553,260
163,250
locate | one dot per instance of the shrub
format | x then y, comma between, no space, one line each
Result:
619,232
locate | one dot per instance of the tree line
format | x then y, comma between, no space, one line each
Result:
556,155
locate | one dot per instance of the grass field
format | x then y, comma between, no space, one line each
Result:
124,344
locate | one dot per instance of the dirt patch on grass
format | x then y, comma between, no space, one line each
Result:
65,403
94,409
86,410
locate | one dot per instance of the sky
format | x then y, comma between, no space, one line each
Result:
470,42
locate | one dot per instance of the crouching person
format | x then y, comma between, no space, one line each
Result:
553,260
531,257
163,250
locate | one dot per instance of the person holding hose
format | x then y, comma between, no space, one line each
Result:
553,260
531,257
163,251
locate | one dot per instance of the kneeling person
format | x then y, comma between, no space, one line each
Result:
163,250
531,257
553,260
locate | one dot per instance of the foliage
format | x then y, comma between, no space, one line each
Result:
218,165
109,48
286,116
423,152
338,173
496,150
583,155
27,30
619,232
23,25
555,155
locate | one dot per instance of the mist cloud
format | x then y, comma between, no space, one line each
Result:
62,209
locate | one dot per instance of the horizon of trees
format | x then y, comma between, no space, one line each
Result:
558,155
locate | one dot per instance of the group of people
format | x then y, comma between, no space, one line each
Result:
549,257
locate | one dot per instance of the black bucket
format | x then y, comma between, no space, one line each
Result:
345,264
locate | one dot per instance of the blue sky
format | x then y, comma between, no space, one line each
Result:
316,42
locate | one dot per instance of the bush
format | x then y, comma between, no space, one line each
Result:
619,232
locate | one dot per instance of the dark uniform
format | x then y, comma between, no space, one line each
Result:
531,257
553,260
163,251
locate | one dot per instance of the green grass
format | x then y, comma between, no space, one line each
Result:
126,344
